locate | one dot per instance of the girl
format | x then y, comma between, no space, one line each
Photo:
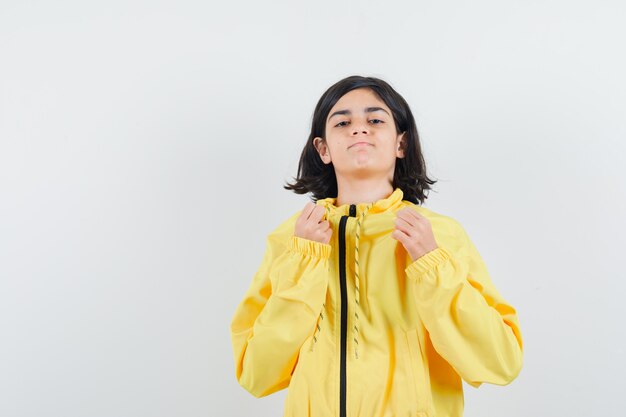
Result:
366,303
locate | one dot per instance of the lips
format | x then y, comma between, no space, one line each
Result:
360,144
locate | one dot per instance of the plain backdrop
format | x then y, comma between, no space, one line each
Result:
144,146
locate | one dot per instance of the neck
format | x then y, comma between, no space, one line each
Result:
362,191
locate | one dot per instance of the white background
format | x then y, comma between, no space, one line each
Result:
143,149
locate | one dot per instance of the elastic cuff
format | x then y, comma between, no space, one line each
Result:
310,247
427,262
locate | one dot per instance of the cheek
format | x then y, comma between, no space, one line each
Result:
334,144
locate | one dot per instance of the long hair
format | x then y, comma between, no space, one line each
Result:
318,178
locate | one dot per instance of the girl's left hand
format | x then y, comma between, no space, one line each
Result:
414,232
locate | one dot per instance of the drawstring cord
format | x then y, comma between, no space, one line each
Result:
381,205
318,328
357,286
357,283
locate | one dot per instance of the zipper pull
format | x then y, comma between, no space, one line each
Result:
352,210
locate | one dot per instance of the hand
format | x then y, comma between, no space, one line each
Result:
414,232
310,225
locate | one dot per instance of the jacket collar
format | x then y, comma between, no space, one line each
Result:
389,203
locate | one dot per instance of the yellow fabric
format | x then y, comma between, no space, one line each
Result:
421,327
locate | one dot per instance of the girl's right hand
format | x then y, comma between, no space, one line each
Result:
310,225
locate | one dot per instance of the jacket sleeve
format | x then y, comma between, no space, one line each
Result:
278,312
470,324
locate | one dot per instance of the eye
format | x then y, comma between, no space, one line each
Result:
341,124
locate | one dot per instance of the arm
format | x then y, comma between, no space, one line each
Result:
278,312
470,324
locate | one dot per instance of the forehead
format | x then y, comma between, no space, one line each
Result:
356,101
359,97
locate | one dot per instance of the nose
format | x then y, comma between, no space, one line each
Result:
359,128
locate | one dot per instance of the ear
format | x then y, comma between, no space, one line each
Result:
401,145
322,149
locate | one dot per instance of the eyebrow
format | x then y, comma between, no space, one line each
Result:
348,112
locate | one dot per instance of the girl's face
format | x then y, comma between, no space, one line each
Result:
361,139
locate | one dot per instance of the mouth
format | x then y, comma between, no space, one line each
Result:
360,144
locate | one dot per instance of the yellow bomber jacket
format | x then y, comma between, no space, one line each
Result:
356,328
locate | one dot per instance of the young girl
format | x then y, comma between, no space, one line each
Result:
366,303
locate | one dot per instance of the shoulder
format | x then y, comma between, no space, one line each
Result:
281,234
447,229
286,226
437,219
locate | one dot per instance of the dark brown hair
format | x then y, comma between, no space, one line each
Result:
410,173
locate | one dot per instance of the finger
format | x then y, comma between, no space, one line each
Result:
321,226
318,235
403,214
414,214
400,236
404,226
308,209
317,214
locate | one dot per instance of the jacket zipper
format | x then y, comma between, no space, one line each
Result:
344,309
